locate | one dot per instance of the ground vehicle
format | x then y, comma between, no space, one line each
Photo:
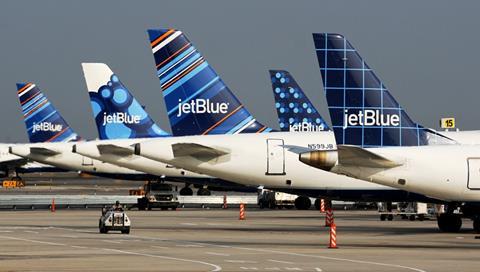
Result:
406,210
158,195
114,219
272,200
13,182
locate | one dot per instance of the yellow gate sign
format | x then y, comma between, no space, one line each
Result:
446,123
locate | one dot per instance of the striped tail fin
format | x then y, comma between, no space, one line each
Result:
118,115
43,122
198,101
294,109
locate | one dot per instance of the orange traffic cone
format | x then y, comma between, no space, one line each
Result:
242,212
333,236
322,205
225,206
52,207
329,218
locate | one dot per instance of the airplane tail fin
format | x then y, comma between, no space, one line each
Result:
294,109
362,110
43,122
118,115
198,101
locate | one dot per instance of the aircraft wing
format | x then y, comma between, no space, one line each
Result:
114,150
349,155
13,163
43,151
197,151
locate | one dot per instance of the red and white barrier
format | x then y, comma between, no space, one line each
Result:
333,236
322,205
224,206
52,207
242,212
329,218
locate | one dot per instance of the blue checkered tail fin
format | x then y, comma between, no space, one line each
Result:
362,110
117,114
197,100
294,109
42,120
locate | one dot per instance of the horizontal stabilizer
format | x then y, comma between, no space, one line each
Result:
197,151
114,150
13,163
349,155
43,151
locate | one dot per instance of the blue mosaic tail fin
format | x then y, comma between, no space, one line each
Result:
42,120
197,100
362,110
294,109
117,113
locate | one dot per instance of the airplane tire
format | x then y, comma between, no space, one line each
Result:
449,222
476,225
303,203
186,191
203,192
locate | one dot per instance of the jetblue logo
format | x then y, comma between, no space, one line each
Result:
306,127
46,126
120,118
370,118
201,106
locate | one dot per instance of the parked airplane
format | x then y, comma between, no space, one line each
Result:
378,142
52,138
192,88
121,121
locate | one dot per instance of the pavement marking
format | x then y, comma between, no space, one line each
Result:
219,224
239,261
293,269
296,254
189,224
33,241
112,241
5,231
69,236
79,247
318,269
215,267
31,231
248,268
277,261
274,251
159,247
217,254
272,268
189,245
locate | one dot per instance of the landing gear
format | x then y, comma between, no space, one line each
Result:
186,191
303,203
476,224
317,204
448,222
203,192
